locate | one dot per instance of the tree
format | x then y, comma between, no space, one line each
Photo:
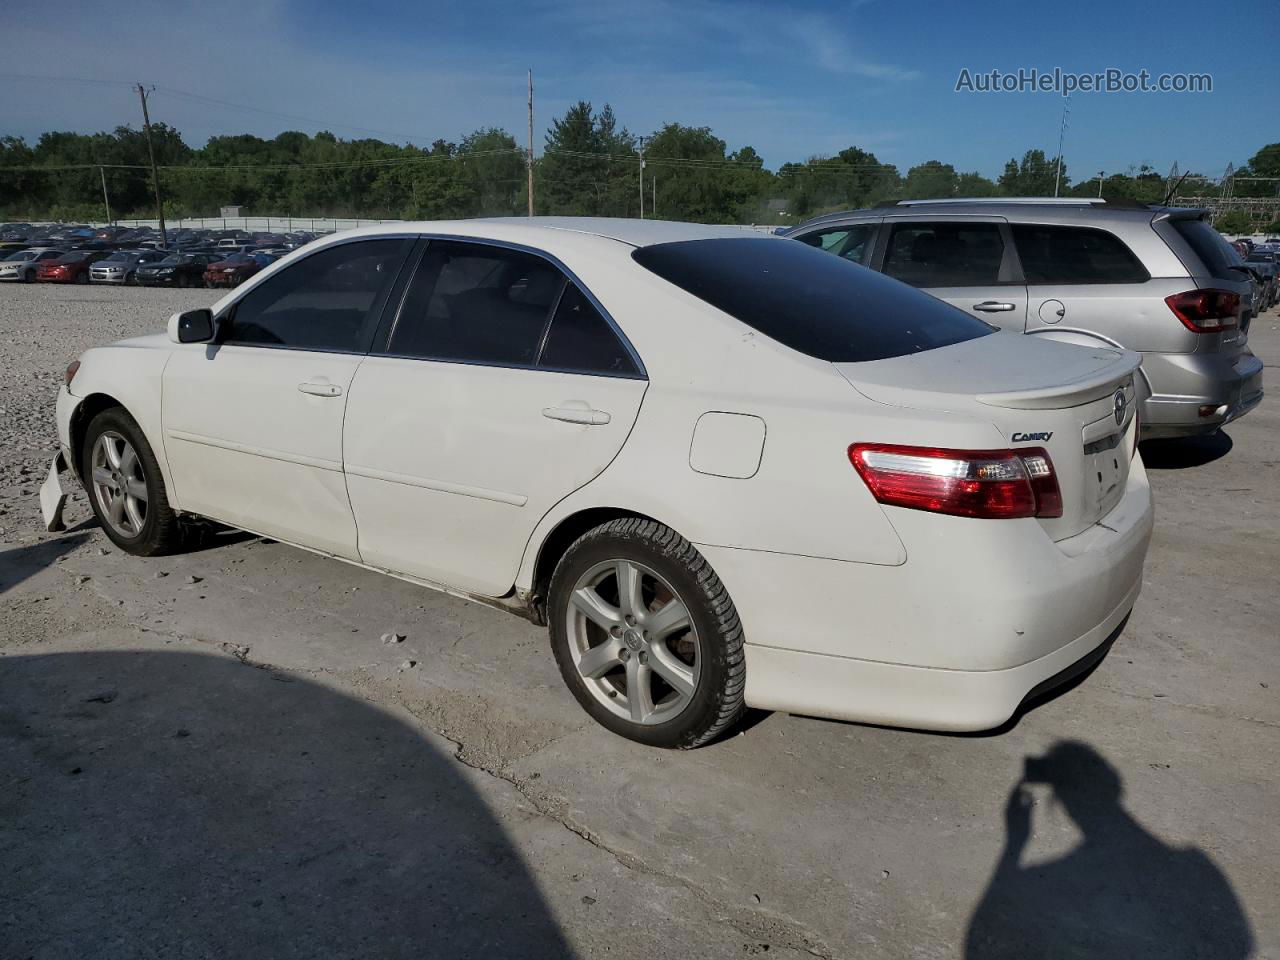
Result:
1033,177
930,180
1234,221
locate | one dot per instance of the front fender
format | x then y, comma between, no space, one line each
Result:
130,374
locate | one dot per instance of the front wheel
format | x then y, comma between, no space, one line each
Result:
646,636
126,489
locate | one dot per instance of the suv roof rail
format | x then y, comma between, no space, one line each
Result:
1048,201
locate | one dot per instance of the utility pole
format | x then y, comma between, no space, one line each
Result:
529,158
640,141
106,201
155,175
1100,174
653,207
1062,134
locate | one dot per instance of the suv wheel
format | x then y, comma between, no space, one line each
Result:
646,636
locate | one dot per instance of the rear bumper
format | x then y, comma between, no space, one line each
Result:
981,614
896,695
1222,386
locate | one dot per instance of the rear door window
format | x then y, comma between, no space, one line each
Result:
809,301
473,303
853,242
1057,254
581,340
946,254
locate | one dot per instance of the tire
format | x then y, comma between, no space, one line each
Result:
182,281
29,277
703,656
159,530
82,278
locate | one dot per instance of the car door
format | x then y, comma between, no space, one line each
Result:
502,386
969,262
253,423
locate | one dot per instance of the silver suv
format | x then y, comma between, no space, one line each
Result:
1156,280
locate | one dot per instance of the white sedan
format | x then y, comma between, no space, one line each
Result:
727,469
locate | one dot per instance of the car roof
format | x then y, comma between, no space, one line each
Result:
636,233
1034,209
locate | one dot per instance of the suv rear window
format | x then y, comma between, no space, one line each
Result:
1052,254
1211,247
808,300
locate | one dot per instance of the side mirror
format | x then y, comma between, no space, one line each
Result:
191,326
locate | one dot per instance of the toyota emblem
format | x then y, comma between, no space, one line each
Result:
1119,403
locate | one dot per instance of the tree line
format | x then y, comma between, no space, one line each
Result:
590,165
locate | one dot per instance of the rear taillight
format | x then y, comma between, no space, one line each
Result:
1205,311
993,484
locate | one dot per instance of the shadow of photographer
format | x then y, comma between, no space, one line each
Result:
1121,893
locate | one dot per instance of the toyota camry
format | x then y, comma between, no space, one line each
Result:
725,469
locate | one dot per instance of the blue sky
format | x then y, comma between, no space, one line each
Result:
790,79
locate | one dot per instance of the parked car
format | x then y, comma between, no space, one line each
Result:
71,267
235,269
840,496
23,265
1263,263
122,265
1159,281
177,270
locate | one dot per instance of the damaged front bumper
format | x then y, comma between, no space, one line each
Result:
52,497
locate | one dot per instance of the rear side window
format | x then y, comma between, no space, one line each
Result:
809,301
477,304
581,340
942,254
1211,247
851,242
327,301
1054,254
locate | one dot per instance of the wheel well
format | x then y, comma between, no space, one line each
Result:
88,408
560,539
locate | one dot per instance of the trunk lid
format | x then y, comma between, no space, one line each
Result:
1077,403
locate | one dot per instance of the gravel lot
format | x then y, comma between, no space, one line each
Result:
444,796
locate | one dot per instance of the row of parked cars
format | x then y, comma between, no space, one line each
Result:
60,253
884,468
1263,260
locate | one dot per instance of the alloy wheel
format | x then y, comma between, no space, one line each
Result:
119,485
633,642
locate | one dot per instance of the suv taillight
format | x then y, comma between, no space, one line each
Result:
993,484
1205,311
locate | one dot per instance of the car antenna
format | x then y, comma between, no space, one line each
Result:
1174,189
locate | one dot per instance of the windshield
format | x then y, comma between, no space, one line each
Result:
21,255
173,261
1261,257
810,301
74,257
119,256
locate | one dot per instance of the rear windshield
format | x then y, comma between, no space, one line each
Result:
1211,247
808,300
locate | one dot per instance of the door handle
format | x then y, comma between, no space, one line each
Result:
993,306
320,389
575,411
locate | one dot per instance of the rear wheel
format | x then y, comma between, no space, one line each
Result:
646,636
126,489
82,278
182,280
